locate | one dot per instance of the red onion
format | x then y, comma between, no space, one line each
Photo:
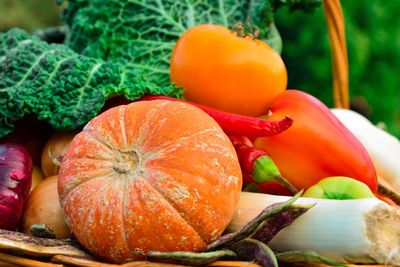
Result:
15,183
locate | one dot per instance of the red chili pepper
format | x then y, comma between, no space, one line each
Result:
235,124
259,169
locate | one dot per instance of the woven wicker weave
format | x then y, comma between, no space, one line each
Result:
340,66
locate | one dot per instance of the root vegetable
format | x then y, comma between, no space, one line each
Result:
15,183
43,207
53,151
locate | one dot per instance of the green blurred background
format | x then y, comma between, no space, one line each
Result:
373,39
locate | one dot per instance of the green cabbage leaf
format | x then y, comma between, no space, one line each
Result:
58,85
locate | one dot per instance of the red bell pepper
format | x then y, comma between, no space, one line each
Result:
317,145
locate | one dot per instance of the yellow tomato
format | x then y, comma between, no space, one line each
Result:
219,69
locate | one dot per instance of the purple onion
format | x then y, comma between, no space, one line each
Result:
15,183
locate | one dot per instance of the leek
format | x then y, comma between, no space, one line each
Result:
350,231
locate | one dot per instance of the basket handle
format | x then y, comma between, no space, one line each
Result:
340,66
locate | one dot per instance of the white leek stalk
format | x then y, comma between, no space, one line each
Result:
383,148
351,231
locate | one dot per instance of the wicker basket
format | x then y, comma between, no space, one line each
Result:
335,25
340,66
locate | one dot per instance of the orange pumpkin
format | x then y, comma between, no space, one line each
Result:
151,175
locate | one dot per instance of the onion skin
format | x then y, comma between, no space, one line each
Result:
37,176
15,183
54,150
43,207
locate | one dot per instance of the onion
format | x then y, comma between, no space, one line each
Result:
43,207
15,183
37,176
53,151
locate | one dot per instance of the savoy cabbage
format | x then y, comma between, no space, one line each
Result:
57,84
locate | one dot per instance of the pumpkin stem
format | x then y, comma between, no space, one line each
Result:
126,162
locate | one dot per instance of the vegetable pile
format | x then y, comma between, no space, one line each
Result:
111,48
144,174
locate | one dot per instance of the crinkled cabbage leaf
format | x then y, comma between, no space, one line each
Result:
58,85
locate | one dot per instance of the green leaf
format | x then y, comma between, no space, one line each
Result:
58,85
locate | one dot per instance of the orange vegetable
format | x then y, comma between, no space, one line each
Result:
43,207
316,146
151,175
53,151
217,68
37,176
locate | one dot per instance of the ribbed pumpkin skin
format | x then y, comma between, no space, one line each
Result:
151,175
